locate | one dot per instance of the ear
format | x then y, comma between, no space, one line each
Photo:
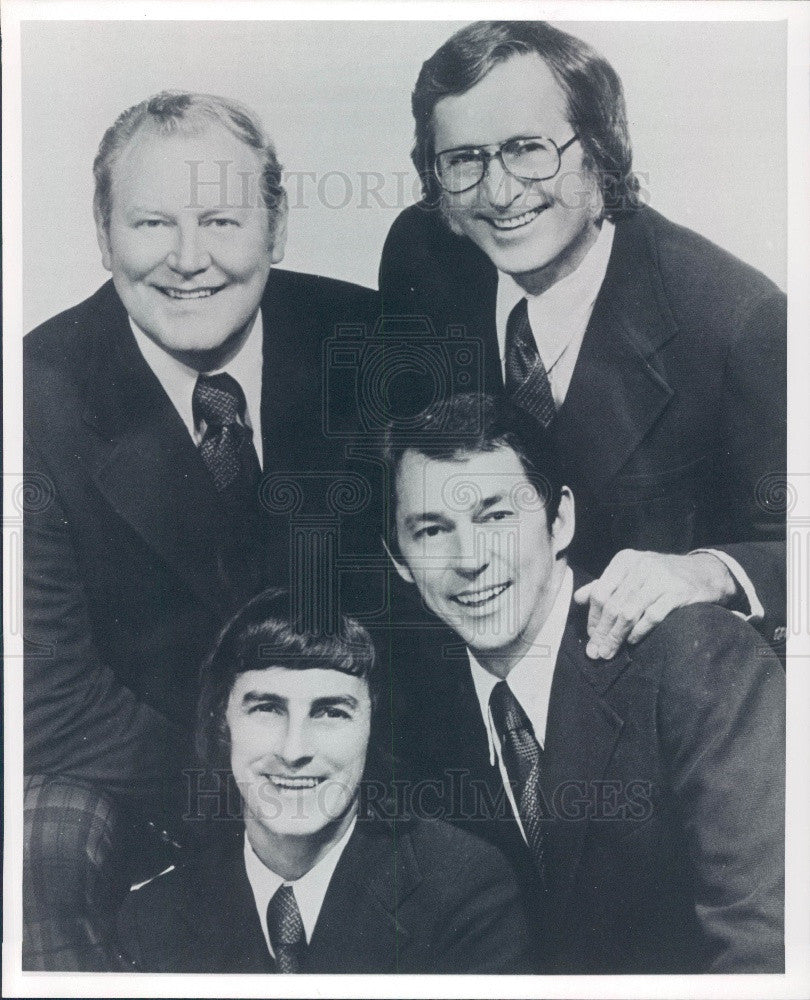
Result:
280,234
400,567
103,239
562,530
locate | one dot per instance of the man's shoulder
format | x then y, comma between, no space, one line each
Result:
704,651
691,264
445,853
320,291
421,224
67,335
420,247
203,882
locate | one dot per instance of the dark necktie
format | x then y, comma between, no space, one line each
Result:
227,444
527,383
228,453
523,759
286,930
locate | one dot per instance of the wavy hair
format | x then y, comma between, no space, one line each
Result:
593,90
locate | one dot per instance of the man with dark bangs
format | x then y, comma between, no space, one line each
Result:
309,884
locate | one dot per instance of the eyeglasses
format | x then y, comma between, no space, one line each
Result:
528,158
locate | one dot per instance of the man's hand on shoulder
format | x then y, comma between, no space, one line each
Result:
639,589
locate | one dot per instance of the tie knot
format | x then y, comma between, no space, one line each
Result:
518,319
507,713
218,400
284,924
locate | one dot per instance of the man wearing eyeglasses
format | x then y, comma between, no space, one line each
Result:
655,359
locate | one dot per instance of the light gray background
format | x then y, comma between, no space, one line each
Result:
706,102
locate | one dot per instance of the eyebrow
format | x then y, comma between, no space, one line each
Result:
219,210
264,697
335,700
492,501
414,520
252,697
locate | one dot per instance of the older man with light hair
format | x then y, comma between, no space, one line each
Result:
153,410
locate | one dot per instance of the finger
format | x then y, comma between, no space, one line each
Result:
652,616
608,643
617,590
583,595
615,625
602,592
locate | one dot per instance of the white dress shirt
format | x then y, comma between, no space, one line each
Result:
309,890
560,315
529,681
178,380
559,318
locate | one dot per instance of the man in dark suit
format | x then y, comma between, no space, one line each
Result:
174,423
307,884
640,799
656,359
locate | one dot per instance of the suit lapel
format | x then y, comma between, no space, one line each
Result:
358,928
224,922
145,463
617,390
292,429
581,736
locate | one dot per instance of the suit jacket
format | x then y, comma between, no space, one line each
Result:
672,434
662,791
127,578
410,896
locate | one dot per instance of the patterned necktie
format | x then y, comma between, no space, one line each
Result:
523,759
227,444
527,383
286,930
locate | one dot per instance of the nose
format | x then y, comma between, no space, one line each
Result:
189,255
499,186
293,749
471,557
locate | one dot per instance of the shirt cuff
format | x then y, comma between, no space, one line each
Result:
756,611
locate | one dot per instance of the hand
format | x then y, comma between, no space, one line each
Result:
639,589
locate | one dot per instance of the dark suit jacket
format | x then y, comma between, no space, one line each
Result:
672,434
663,784
412,897
125,540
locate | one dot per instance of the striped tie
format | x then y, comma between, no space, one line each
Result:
286,930
527,383
523,759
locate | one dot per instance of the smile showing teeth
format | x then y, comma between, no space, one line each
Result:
293,784
475,598
192,293
516,221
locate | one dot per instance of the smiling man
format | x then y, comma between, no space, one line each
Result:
152,410
639,799
314,884
655,359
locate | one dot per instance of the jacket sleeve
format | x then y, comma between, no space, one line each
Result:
721,715
483,927
754,413
79,719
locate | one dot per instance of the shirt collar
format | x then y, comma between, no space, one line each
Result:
530,678
309,890
560,312
178,379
